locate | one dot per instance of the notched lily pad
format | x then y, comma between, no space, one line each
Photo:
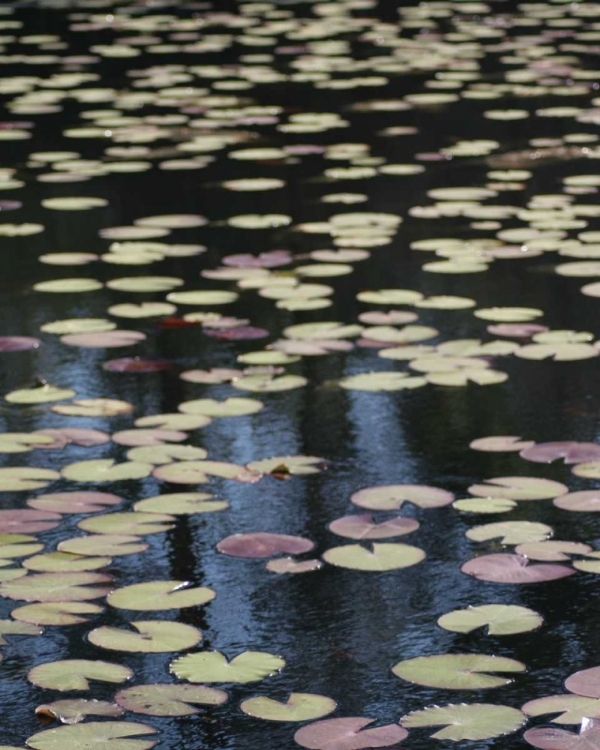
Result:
213,666
458,671
168,699
475,721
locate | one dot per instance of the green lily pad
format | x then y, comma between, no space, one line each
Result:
298,707
381,558
56,613
213,666
105,470
475,721
181,503
500,619
10,627
41,394
75,674
110,545
229,407
153,637
169,699
510,532
134,523
457,671
571,709
158,595
57,587
94,734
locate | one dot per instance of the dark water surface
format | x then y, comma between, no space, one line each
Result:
339,630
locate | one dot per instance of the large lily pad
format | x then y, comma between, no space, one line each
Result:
500,619
475,721
213,666
75,674
158,595
169,699
298,707
381,558
93,734
153,636
458,671
349,733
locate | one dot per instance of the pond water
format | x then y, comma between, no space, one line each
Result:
323,157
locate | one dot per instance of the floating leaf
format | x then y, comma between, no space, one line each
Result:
168,699
458,671
75,710
58,562
552,738
382,381
41,394
507,568
519,488
363,526
104,340
585,682
298,707
181,503
475,721
381,558
135,523
484,505
393,496
262,544
93,407
158,595
74,674
510,532
91,734
230,407
57,587
500,619
105,470
348,733
586,501
572,709
75,502
56,613
288,565
552,550
112,545
27,521
570,451
153,637
213,666
10,627
500,444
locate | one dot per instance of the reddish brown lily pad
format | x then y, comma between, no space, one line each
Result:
262,544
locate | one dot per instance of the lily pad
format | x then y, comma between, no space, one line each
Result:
571,709
475,721
181,503
75,674
381,558
159,595
57,587
261,544
168,699
153,637
105,470
91,734
510,532
298,707
393,496
75,710
458,671
213,666
499,619
349,733
363,526
507,568
75,502
56,613
519,488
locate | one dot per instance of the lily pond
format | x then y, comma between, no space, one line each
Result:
299,399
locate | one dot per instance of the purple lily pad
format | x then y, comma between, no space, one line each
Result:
553,738
362,526
585,682
261,544
18,343
347,733
586,501
507,568
27,521
10,205
271,259
135,364
236,334
571,451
